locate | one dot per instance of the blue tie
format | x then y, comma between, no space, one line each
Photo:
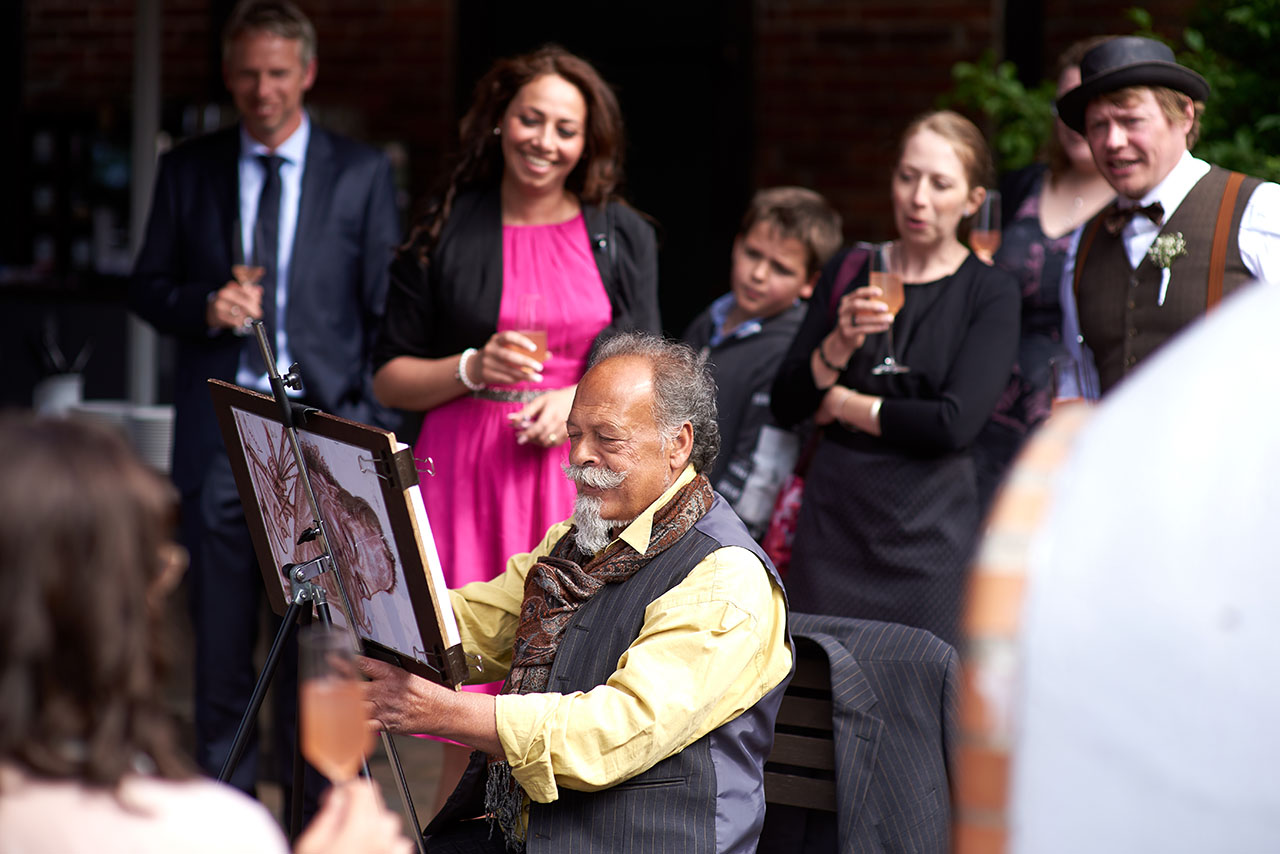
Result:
266,242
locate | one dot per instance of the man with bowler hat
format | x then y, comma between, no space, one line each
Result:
1181,233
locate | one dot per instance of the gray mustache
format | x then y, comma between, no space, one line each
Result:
596,477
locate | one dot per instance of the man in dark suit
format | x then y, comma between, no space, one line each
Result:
316,212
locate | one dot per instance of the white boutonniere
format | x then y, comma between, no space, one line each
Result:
1166,249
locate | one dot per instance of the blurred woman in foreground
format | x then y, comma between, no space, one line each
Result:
89,759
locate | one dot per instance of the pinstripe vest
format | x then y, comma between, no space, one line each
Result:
1119,316
707,798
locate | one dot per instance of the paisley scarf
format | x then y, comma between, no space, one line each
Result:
556,587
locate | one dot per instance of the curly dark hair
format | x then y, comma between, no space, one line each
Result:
594,180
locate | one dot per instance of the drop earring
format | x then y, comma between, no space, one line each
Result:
497,130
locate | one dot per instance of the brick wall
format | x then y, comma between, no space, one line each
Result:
829,84
837,82
80,53
385,69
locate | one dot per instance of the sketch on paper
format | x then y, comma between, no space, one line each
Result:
351,502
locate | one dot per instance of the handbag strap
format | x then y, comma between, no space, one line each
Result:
850,267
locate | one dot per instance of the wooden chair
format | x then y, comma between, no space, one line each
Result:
800,772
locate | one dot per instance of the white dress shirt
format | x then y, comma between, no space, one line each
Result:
252,177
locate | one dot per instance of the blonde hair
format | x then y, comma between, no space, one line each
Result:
965,138
1170,101
278,17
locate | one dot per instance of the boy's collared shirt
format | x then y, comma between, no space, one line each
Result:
719,312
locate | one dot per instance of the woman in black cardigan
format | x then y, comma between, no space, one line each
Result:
529,211
890,507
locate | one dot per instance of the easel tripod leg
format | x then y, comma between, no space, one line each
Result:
288,627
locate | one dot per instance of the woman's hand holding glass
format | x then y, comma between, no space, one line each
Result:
508,357
353,820
862,312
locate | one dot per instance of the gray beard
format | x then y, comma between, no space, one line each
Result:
593,532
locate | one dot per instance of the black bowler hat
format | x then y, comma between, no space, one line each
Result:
1122,62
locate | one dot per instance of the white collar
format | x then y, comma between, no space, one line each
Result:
1174,188
293,149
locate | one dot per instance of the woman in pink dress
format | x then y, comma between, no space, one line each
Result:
529,210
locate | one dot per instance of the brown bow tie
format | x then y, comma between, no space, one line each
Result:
1117,218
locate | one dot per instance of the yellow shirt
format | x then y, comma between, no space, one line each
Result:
709,649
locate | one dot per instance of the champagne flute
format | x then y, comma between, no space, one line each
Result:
532,324
336,736
243,272
893,294
984,238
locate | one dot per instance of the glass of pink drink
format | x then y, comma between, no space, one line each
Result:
336,736
892,292
984,238
246,274
532,324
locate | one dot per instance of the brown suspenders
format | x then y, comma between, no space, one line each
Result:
1217,255
1221,234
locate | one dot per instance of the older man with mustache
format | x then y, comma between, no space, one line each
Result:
644,643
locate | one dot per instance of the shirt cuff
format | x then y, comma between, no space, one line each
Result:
521,731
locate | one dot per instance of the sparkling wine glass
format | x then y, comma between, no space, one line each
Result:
532,324
984,238
336,736
243,272
893,294
246,274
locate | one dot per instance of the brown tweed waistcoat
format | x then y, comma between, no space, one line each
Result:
1119,315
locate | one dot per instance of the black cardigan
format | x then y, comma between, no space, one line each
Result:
443,307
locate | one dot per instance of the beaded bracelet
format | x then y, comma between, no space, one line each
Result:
462,370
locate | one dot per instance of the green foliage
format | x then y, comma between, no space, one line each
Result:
1234,44
1017,119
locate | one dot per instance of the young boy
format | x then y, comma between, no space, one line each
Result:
787,235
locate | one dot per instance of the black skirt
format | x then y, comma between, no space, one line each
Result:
885,536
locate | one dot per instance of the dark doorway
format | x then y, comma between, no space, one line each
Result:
682,72
1024,39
